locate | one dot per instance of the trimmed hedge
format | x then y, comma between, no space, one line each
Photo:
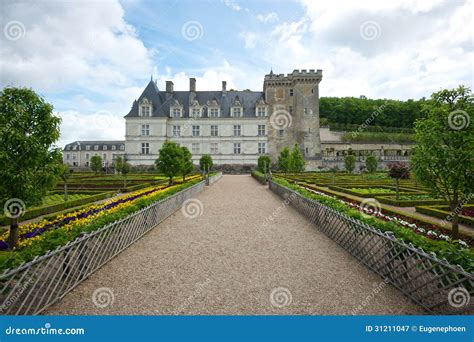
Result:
38,211
408,203
258,176
442,212
454,254
355,193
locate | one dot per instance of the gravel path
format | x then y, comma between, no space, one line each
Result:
230,260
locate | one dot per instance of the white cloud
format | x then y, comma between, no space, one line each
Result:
422,47
267,18
67,43
232,5
249,38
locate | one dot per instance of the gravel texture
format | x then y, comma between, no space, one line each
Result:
234,259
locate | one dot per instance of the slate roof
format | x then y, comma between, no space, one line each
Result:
81,145
161,105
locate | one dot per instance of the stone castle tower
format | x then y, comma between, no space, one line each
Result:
294,111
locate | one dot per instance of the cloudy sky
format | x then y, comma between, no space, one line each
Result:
91,59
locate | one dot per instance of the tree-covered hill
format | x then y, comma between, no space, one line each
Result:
380,112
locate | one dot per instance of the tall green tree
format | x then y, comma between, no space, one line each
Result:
205,163
350,163
29,161
187,165
65,173
122,168
297,162
443,158
169,160
96,164
284,160
371,163
264,163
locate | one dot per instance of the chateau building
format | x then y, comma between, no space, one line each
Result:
234,127
79,153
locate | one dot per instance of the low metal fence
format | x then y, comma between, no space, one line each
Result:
433,283
34,286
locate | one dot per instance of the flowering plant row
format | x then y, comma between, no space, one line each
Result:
36,240
31,232
454,252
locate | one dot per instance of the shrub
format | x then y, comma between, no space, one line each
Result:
264,163
349,163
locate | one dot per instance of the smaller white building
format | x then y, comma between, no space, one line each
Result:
79,153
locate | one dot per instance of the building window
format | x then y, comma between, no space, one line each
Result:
196,131
87,156
145,110
88,147
262,148
145,130
104,147
261,130
68,156
195,148
291,92
96,147
104,157
196,112
305,110
236,130
261,111
236,148
213,112
306,151
176,131
214,131
114,147
236,112
214,148
73,156
145,148
176,113
122,147
290,109
281,132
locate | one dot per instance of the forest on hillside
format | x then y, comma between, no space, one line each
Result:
342,112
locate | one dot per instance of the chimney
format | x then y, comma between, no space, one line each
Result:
169,87
224,87
192,84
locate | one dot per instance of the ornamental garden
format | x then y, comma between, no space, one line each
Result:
427,202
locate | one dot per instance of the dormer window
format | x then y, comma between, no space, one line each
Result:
261,111
214,112
196,112
236,112
122,147
145,107
88,147
114,147
96,147
176,112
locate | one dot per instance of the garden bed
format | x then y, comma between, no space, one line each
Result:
369,191
443,212
410,200
39,237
